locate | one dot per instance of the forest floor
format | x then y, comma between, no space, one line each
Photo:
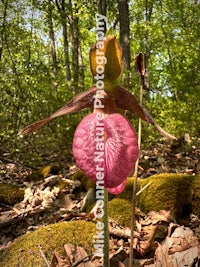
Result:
27,215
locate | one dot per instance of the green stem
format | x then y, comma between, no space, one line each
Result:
106,260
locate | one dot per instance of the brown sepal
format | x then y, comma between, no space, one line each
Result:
123,99
127,101
80,101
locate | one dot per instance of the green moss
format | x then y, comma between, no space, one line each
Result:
25,250
127,193
176,192
11,194
167,191
120,210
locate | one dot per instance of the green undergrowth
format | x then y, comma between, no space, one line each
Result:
25,250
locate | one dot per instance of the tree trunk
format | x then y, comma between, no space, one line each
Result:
82,72
61,7
148,14
102,8
73,20
124,32
52,38
3,28
65,41
66,51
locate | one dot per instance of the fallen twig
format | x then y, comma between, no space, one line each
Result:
43,256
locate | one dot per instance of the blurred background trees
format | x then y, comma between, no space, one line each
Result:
44,47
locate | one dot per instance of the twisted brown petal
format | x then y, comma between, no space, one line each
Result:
127,101
80,101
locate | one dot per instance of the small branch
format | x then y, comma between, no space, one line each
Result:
123,233
43,256
141,190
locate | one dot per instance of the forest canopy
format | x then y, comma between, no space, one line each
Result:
44,62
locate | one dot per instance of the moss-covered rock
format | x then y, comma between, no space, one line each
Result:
179,193
61,184
42,173
10,194
120,210
25,250
172,192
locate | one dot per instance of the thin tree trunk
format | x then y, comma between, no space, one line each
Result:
61,7
76,54
125,37
168,47
102,9
73,20
52,38
66,51
31,35
63,17
82,71
124,31
3,28
148,15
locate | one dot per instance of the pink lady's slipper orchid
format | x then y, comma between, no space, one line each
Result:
119,138
120,149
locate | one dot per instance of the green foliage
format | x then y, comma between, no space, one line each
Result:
168,33
31,90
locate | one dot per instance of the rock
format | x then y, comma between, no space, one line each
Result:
26,248
41,174
10,194
179,193
120,210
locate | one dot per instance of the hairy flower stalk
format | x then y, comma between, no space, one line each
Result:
119,144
